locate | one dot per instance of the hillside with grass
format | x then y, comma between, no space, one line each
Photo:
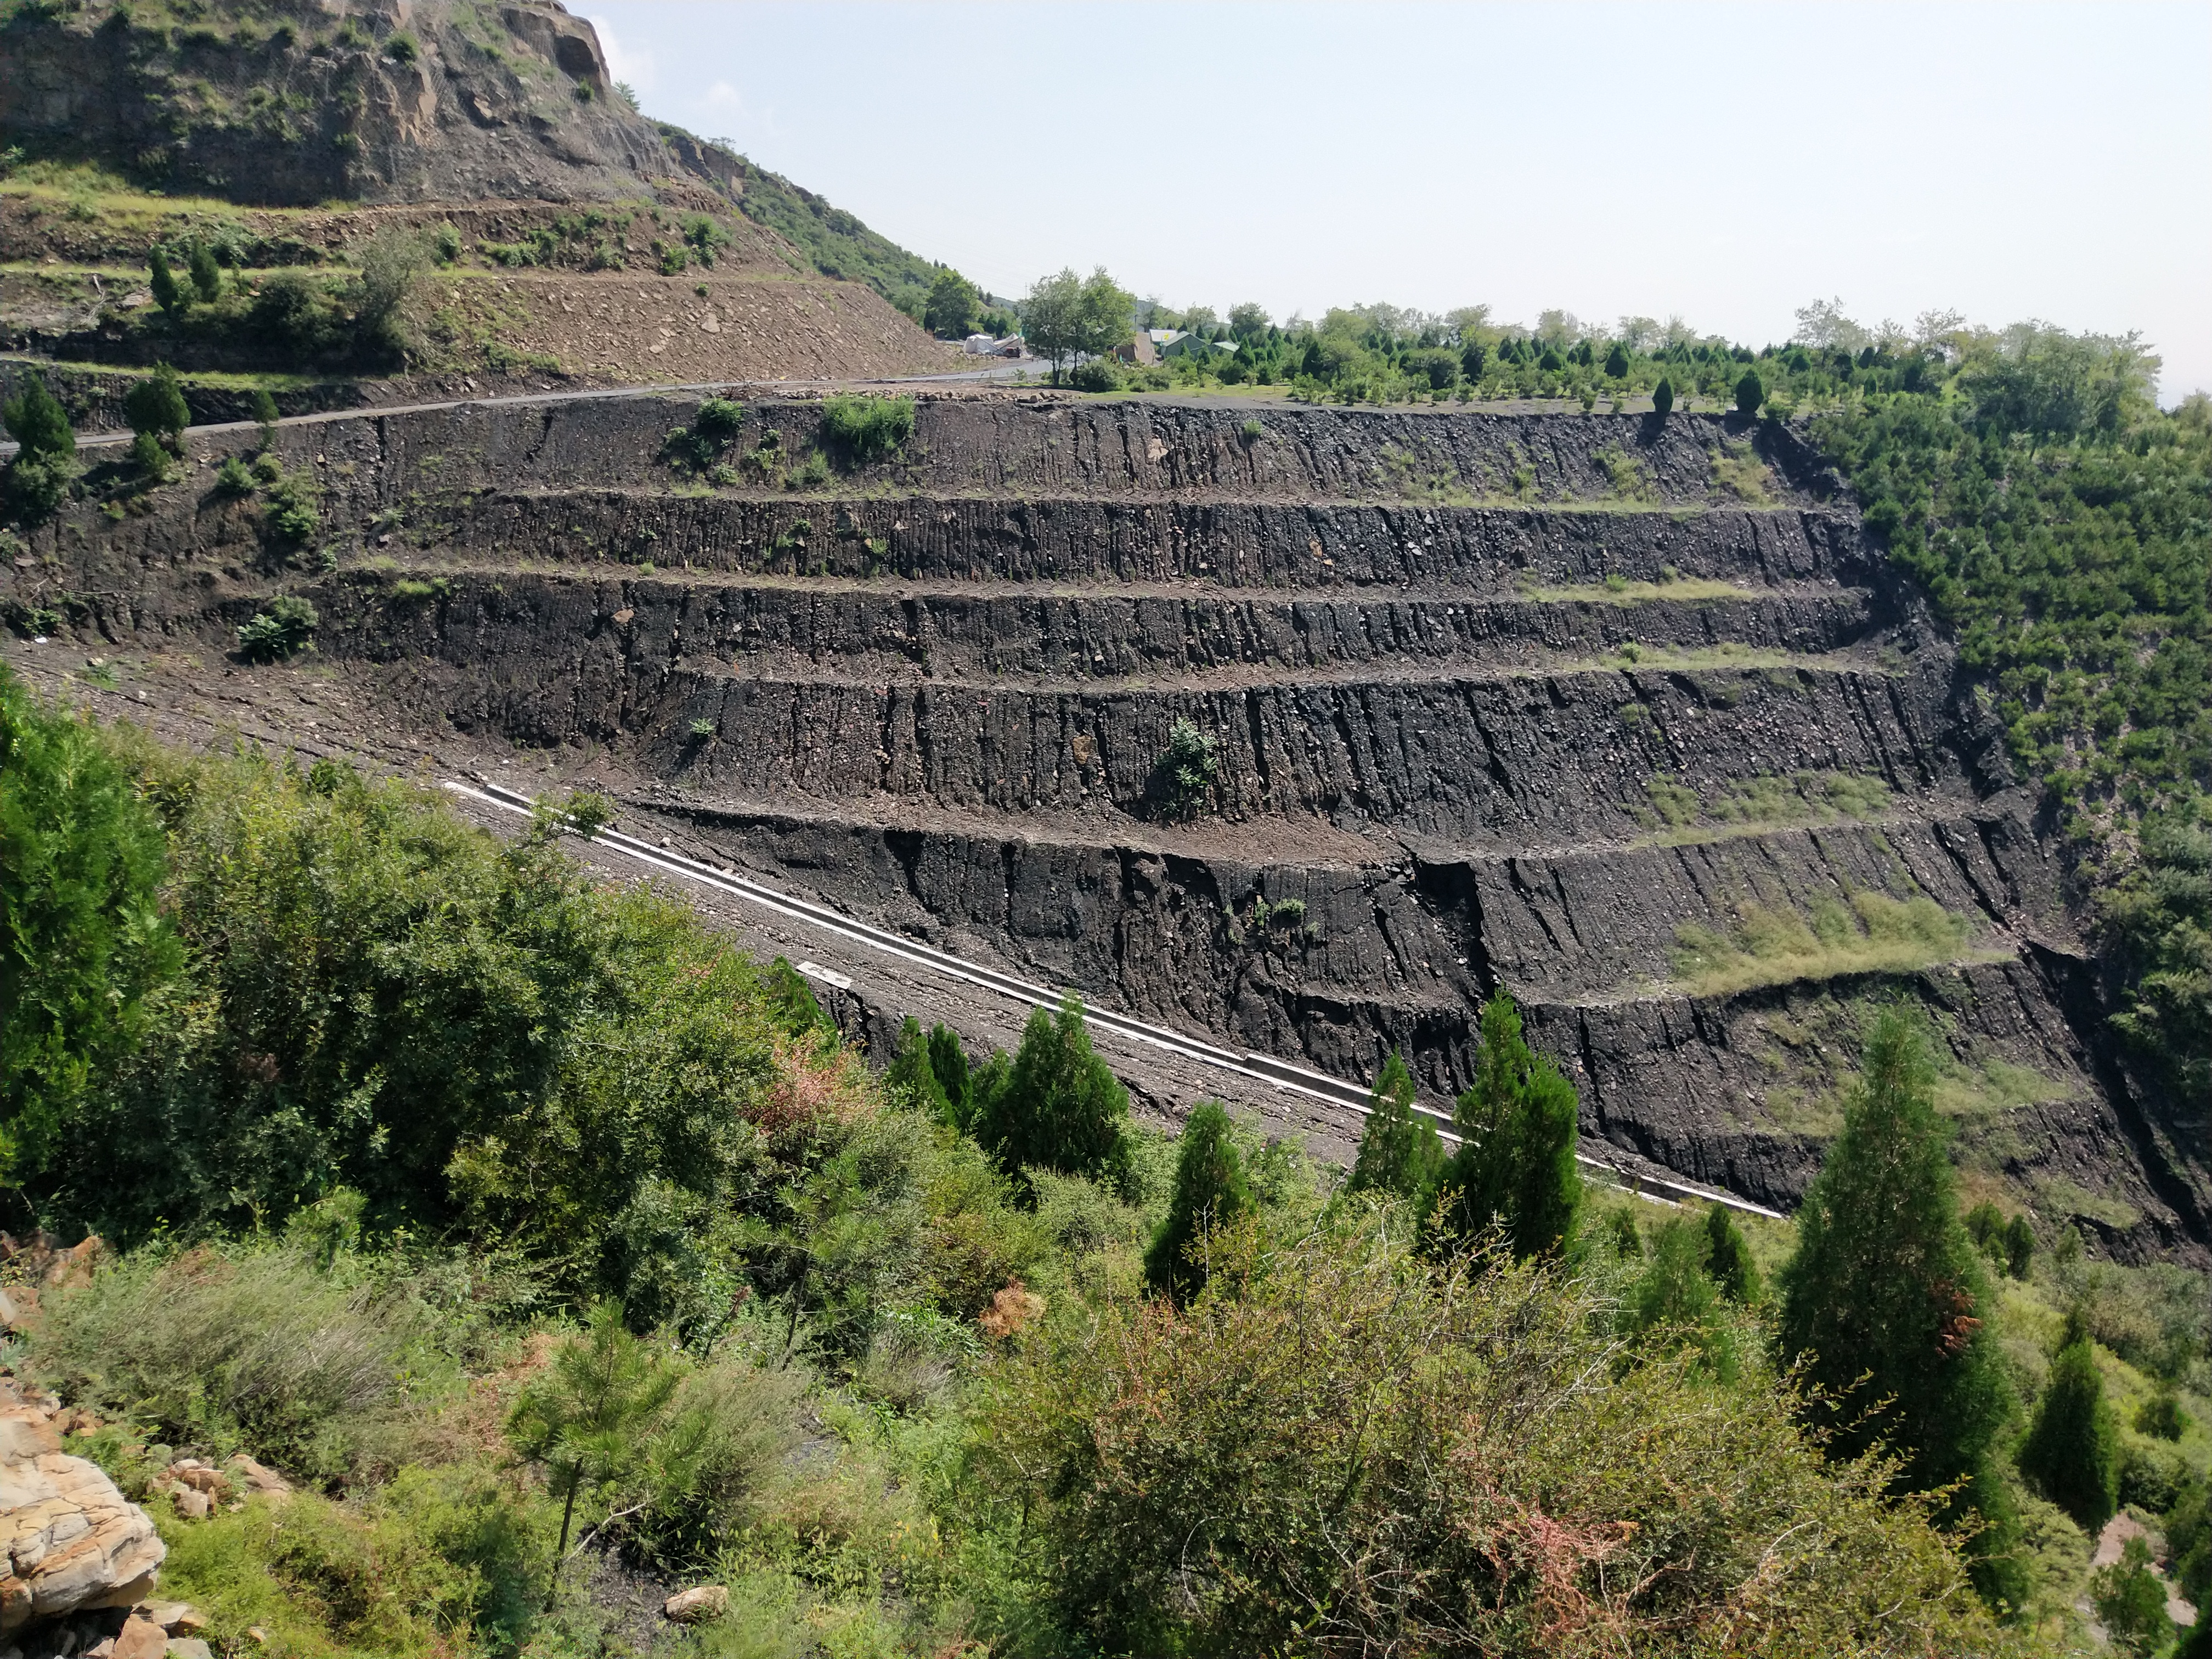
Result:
554,1261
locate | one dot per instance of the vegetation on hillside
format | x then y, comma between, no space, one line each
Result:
550,1245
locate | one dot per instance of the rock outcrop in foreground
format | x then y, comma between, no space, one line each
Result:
70,1542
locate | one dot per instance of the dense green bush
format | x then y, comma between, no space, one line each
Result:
1338,1450
1056,1105
83,943
2072,1451
281,631
863,429
155,406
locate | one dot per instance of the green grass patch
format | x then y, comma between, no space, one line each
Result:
1621,591
1869,933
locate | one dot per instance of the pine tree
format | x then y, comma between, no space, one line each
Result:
265,411
207,276
1749,392
36,420
1662,398
2072,1452
1515,1163
1211,1191
167,293
1057,1105
1400,1151
1886,1285
1728,1258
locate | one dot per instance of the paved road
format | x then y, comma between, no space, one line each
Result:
1004,370
848,934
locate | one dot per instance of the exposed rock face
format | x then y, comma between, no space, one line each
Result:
70,1542
313,101
1537,703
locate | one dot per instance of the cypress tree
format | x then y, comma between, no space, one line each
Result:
1749,392
2019,1247
207,276
2072,1452
36,420
1728,1258
1662,398
1211,1191
1400,1151
1059,1105
1516,1160
948,1061
167,293
155,406
911,1069
1616,362
1886,1285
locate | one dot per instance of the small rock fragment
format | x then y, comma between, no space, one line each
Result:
697,1606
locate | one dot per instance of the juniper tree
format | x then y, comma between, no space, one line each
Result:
1057,1105
1883,1297
39,424
155,407
1400,1151
910,1068
1749,392
2072,1450
207,276
1516,1165
1616,362
1662,397
163,282
1211,1191
1728,1258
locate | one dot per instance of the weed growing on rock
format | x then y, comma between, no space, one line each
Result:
283,630
866,428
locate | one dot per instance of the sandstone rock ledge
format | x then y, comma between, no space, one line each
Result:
70,1542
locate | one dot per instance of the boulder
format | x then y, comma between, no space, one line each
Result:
697,1606
258,1479
141,1638
69,1540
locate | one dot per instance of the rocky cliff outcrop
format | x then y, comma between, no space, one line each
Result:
1628,717
305,101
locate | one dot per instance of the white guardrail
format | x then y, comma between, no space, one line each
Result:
1263,1068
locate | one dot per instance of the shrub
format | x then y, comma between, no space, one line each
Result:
867,429
1210,1193
1253,430
2161,1416
263,409
1662,398
1675,1300
705,237
1728,1258
812,473
155,406
83,944
719,420
1616,362
167,294
284,629
2132,1602
33,489
37,422
293,517
251,1347
402,47
232,478
289,314
1749,392
1883,1297
149,457
446,245
1094,374
1337,1449
1186,771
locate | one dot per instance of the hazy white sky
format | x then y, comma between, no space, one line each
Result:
1728,162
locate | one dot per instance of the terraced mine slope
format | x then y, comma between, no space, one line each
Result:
1626,716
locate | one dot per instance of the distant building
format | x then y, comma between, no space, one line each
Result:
1139,348
1180,344
983,345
